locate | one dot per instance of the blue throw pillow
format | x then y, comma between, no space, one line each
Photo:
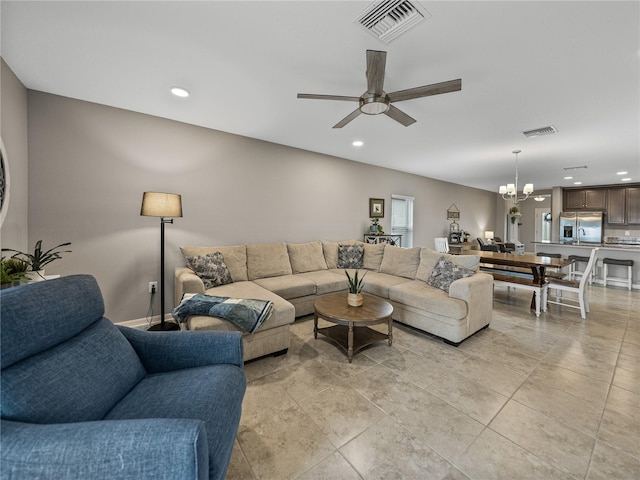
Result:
350,256
446,272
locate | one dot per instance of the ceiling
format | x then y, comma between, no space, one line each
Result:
523,65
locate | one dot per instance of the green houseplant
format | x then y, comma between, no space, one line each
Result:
39,258
12,272
354,297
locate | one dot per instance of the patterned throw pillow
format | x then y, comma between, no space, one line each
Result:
350,256
211,269
446,272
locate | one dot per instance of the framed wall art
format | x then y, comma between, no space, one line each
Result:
376,208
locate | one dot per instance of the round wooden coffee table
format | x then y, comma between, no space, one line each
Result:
335,309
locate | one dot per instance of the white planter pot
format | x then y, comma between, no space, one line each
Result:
36,276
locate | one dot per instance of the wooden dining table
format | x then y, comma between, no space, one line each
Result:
537,265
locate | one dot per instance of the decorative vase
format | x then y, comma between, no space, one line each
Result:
355,299
36,276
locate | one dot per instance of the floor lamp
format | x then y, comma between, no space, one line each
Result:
165,206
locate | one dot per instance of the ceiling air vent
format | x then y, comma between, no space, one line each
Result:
538,132
388,19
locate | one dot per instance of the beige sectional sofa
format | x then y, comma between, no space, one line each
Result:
292,276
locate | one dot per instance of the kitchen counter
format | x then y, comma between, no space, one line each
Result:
610,250
603,246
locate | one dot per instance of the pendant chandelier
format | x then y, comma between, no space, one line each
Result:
510,191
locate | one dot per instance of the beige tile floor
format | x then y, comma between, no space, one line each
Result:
553,397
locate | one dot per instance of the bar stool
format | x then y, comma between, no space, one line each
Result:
578,273
614,261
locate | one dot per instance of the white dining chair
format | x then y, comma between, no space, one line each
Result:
579,288
442,245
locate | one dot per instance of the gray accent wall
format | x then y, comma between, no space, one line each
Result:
13,129
89,165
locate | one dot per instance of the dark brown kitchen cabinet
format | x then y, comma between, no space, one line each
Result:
633,205
617,206
585,199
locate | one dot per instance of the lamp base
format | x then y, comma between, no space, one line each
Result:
167,327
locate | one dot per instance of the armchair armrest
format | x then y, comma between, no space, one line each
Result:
122,449
185,281
168,351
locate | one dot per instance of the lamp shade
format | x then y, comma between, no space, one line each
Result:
488,235
155,204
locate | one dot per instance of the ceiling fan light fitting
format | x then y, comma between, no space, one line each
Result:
373,105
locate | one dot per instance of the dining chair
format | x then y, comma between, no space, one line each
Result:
442,244
578,288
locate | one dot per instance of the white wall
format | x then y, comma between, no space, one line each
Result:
89,165
13,129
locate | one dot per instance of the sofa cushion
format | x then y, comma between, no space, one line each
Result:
288,286
379,283
267,260
436,302
402,262
350,256
327,281
306,257
373,256
330,250
211,269
429,258
212,394
235,256
78,380
446,272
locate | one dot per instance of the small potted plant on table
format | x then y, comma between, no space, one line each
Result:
354,297
38,259
12,272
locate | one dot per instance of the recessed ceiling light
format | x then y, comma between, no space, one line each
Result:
357,143
626,179
180,92
577,183
621,173
568,178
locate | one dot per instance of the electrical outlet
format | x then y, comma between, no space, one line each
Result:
627,233
153,287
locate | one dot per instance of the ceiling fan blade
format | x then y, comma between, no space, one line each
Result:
376,62
313,96
427,90
399,116
347,119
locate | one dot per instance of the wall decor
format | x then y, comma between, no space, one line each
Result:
452,212
376,207
4,183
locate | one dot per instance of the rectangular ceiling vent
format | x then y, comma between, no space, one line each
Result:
388,19
579,167
538,132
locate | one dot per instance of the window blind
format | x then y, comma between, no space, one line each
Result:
402,218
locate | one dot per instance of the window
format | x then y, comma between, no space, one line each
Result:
402,218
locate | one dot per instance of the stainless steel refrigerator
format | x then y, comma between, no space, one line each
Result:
578,227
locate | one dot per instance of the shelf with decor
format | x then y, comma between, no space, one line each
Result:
391,239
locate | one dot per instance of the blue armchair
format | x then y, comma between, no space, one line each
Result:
83,398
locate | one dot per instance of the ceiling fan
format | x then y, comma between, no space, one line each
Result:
376,101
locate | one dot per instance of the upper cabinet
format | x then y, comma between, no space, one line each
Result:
633,205
585,199
621,204
617,206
